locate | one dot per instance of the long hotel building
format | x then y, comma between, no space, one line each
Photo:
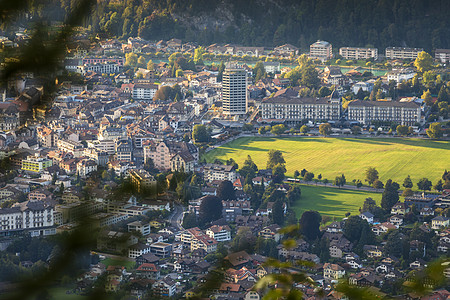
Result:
404,113
295,109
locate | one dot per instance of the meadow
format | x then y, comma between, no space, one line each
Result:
331,202
394,158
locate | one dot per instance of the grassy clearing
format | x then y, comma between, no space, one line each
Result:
59,293
331,201
119,262
393,158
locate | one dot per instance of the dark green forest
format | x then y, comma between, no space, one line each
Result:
377,23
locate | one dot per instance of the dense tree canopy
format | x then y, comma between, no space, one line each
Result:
309,224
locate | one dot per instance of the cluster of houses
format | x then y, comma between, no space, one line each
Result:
114,125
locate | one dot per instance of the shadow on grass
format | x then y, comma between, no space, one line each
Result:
330,201
406,142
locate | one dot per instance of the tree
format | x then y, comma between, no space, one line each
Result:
309,224
131,59
325,129
310,77
371,175
249,168
141,62
402,130
426,96
356,130
359,184
407,192
369,205
275,158
423,62
198,55
390,195
407,183
200,134
296,174
278,172
303,172
304,129
309,176
377,184
278,129
439,186
278,213
190,221
339,181
443,95
210,209
150,65
435,131
262,130
324,91
424,184
225,191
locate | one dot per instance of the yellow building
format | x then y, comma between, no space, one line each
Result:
142,181
36,164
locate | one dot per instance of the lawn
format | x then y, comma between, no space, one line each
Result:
59,293
394,158
331,201
119,262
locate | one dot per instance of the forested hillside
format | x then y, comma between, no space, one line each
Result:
378,23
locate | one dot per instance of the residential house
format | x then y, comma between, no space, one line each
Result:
440,222
333,271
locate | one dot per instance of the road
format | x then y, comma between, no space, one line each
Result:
346,186
177,216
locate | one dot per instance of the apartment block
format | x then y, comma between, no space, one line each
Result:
213,172
36,164
358,53
402,53
321,50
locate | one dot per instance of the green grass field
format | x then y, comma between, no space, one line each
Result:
119,262
393,158
59,293
331,201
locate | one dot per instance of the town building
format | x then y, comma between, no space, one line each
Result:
321,50
36,164
400,75
219,233
443,55
35,217
234,90
142,180
70,146
333,271
358,53
365,112
402,52
294,109
213,172
144,91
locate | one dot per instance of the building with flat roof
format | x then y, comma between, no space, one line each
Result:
358,53
234,90
365,112
295,109
443,55
141,180
321,50
36,164
402,52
